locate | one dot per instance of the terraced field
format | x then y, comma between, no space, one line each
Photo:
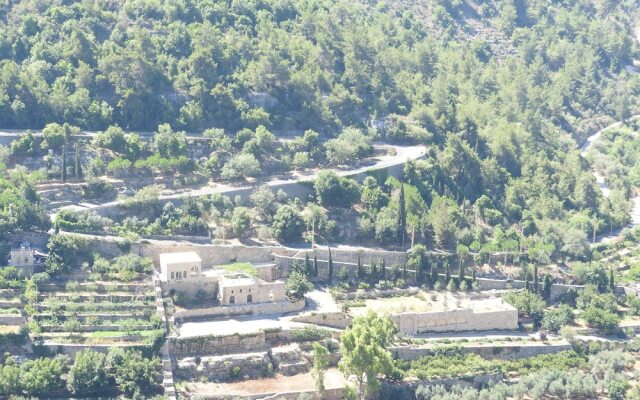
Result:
92,313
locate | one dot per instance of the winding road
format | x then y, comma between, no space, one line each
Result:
584,151
391,156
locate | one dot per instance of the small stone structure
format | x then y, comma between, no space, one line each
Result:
242,289
24,259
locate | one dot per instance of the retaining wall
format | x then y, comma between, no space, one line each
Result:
241,309
511,351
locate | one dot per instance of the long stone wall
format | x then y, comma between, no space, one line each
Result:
241,309
511,351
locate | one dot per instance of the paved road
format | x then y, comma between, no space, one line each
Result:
394,155
318,300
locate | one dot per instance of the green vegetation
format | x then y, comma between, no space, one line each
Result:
364,353
244,268
451,362
121,371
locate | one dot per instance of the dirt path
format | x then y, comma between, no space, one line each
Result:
584,150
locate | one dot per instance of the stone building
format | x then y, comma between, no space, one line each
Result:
24,259
179,266
242,289
183,272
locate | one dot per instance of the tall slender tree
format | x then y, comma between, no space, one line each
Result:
526,281
307,265
383,270
612,282
77,168
64,164
461,271
402,215
315,264
447,273
535,278
330,267
434,273
359,269
547,283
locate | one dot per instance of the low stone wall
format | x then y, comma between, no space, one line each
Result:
337,320
457,321
11,319
407,390
510,351
241,309
329,394
217,345
376,293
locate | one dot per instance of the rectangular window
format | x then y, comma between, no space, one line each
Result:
173,275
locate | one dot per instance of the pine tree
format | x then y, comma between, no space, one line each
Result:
315,264
402,216
64,164
77,169
547,283
359,269
330,267
535,278
612,282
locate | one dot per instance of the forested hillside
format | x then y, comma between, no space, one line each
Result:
501,92
450,65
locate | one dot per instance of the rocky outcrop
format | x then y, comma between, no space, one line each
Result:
289,360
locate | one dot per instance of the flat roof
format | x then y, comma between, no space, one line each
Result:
238,282
172,258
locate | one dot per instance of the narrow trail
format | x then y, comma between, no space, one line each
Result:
584,151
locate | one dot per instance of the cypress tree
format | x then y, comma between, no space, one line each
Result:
473,275
77,169
307,265
330,267
526,281
546,287
612,282
434,273
461,272
315,264
404,271
402,215
424,269
359,269
64,164
383,270
447,273
535,278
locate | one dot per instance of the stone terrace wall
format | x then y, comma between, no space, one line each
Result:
244,309
217,345
503,352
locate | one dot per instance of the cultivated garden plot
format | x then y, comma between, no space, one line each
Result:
97,313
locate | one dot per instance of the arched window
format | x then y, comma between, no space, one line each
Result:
249,298
232,300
